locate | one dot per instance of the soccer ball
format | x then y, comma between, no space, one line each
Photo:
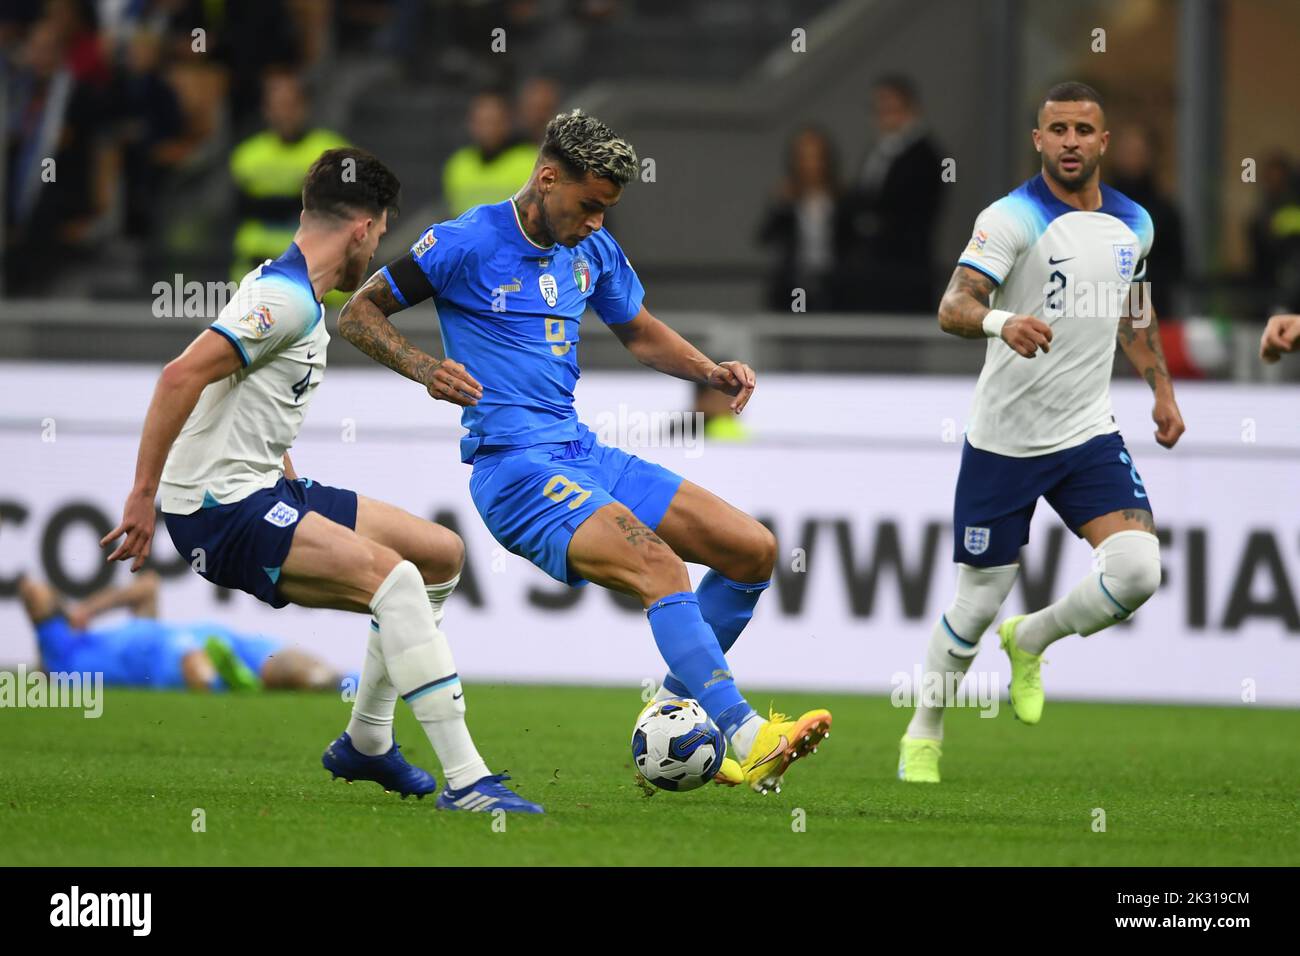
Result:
676,746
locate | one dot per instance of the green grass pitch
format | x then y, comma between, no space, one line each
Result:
1178,785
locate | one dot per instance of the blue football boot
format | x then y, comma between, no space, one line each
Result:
487,794
389,770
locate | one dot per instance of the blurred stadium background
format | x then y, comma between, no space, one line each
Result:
795,144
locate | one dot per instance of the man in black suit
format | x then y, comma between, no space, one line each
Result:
893,209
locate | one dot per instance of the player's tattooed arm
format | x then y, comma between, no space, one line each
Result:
965,304
364,322
1139,337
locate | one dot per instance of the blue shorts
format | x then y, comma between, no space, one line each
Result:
996,495
533,499
244,543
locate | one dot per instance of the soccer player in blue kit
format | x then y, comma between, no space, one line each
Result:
146,651
511,282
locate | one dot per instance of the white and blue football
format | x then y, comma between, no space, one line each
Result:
675,745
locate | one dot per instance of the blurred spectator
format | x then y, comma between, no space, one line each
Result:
85,55
1275,234
806,225
16,18
894,209
268,170
54,159
721,424
1130,168
150,127
250,38
539,101
495,163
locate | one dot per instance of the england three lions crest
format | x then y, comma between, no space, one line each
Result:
1125,261
977,540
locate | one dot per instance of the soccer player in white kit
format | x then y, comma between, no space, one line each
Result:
215,445
1047,278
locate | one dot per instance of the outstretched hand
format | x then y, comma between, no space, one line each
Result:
138,525
734,378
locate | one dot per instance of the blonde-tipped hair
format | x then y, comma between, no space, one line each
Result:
583,144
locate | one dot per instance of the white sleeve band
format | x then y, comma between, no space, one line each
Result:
994,321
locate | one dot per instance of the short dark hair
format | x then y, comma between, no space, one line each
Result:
582,144
345,181
1071,91
900,85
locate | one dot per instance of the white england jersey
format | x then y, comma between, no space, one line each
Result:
1072,269
234,441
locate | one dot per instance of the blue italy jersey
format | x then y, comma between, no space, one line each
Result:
511,312
137,652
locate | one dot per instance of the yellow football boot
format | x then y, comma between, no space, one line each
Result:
779,743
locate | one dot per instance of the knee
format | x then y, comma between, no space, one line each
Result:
763,548
656,572
1130,567
443,555
980,593
751,555
376,563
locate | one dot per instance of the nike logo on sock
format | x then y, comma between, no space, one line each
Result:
457,696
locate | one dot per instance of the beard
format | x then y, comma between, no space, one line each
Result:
1073,181
354,270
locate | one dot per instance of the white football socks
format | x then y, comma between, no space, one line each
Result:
663,693
1126,574
742,741
438,594
954,642
371,726
420,667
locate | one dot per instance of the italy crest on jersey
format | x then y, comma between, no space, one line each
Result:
977,540
1125,261
582,274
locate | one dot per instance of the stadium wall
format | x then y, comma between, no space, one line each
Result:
855,475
